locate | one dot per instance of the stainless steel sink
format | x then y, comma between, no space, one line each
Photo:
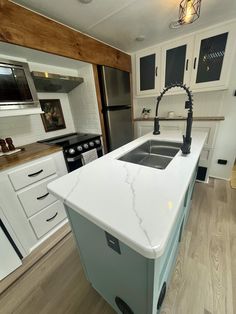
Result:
155,154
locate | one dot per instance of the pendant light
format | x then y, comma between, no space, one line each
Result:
189,12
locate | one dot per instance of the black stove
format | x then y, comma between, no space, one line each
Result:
74,145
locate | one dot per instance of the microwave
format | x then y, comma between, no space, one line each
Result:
17,90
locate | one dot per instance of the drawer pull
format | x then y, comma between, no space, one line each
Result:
35,173
42,197
156,72
186,65
49,219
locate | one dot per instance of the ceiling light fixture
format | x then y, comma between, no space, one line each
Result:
85,1
189,12
140,38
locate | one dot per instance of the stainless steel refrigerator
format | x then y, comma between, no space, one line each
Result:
117,112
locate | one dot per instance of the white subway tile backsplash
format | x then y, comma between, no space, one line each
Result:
84,105
29,129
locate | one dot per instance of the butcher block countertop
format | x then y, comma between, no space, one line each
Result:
29,152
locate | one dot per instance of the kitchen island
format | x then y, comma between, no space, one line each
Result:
127,220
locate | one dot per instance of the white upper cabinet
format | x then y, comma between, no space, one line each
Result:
177,62
148,72
202,61
213,54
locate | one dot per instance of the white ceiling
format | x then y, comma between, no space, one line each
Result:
119,22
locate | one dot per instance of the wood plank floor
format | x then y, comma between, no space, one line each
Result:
233,177
203,282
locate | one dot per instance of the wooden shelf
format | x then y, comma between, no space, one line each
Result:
220,118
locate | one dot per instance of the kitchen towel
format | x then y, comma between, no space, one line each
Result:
89,156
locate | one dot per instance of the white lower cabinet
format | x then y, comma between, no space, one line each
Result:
36,197
48,218
32,213
32,173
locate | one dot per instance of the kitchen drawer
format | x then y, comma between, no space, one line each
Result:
37,197
32,173
48,218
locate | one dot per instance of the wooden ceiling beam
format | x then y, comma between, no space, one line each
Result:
25,28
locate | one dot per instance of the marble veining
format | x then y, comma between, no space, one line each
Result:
131,181
138,205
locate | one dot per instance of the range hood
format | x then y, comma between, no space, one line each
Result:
54,83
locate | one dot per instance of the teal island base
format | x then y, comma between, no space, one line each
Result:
128,281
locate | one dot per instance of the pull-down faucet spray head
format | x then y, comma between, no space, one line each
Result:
188,105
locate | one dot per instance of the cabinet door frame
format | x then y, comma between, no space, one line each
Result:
222,83
156,90
189,42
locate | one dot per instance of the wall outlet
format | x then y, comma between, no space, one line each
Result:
222,161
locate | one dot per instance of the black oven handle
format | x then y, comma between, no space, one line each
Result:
72,159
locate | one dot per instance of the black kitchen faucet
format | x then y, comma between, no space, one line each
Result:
188,105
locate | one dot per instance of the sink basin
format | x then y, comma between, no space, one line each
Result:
155,154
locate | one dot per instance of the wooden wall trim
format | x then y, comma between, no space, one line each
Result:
26,28
99,100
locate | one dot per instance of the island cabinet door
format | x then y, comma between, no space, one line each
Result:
177,63
213,55
148,72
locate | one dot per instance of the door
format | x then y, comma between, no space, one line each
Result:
147,72
177,59
116,87
212,58
119,127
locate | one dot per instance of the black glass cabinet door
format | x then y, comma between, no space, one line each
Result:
175,65
211,57
147,66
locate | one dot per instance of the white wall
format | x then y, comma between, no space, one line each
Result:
205,104
79,107
84,104
217,103
225,147
29,129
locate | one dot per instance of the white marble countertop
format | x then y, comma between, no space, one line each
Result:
136,204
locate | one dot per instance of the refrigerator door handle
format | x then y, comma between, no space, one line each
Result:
116,108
